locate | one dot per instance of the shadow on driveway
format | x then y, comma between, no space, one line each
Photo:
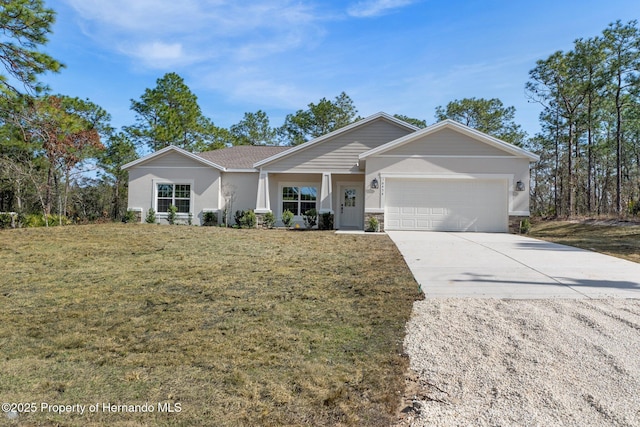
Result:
497,265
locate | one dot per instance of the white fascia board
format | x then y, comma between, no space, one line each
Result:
333,134
168,149
451,124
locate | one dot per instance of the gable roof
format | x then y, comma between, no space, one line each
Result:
241,156
230,158
458,127
336,132
169,149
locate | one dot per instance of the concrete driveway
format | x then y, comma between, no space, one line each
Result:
498,265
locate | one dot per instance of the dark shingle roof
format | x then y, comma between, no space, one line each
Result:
241,156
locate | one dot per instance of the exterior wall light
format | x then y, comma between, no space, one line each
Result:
374,183
519,186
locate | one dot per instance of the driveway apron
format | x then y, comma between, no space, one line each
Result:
500,265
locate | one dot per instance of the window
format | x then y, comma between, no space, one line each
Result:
299,199
178,195
350,198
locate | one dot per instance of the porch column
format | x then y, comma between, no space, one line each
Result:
325,194
262,200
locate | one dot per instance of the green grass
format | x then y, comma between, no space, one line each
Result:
240,327
619,241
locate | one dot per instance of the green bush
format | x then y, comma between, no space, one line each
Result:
37,220
5,220
310,218
239,218
525,226
249,219
269,220
130,216
209,219
326,221
151,216
373,225
172,214
287,218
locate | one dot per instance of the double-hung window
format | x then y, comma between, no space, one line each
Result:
299,199
178,195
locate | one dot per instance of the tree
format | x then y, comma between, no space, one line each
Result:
590,54
24,25
253,129
591,99
67,131
486,115
319,119
120,150
622,48
562,81
169,114
416,122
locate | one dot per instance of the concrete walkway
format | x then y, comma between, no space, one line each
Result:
497,265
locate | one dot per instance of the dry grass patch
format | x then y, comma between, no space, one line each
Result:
241,327
622,241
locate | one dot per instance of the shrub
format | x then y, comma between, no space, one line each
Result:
249,219
172,213
287,218
525,226
209,219
269,220
190,219
326,221
239,218
130,216
310,218
151,216
372,224
5,220
37,220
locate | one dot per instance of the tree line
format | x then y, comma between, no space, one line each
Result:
590,139
589,148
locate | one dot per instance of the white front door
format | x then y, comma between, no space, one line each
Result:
351,207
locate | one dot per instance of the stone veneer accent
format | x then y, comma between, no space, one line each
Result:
260,220
514,223
378,216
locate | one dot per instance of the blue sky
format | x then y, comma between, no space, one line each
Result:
397,56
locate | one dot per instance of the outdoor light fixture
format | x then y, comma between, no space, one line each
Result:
374,183
519,186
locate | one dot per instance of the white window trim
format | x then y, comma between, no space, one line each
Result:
154,190
281,185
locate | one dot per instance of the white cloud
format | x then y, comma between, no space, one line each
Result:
370,8
168,34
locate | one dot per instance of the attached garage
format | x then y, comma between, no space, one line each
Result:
447,177
446,204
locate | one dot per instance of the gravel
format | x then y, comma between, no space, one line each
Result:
490,362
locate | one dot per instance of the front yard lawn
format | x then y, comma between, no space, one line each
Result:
224,327
622,241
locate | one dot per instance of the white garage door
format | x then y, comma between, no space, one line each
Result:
446,205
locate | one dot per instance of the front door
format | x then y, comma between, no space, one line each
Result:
351,208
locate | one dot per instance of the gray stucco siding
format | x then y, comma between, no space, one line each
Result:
172,160
203,179
243,187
